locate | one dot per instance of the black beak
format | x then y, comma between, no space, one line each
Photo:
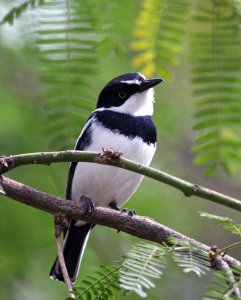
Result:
149,83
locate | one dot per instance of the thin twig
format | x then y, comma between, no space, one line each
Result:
187,188
58,235
225,249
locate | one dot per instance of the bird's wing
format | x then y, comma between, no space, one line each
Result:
82,143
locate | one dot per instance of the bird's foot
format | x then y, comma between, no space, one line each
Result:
88,205
130,213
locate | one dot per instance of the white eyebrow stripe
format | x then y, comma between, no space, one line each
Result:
144,77
131,81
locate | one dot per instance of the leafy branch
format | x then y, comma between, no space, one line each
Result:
108,157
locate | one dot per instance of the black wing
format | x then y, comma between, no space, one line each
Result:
83,142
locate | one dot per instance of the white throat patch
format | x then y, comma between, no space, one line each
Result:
140,104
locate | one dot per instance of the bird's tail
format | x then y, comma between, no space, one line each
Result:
74,245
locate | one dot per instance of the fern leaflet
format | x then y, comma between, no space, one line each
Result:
67,39
228,223
215,57
190,258
100,284
144,262
17,11
223,287
158,35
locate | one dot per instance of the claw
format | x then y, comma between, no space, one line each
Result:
132,213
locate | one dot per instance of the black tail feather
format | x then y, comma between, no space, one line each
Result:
74,245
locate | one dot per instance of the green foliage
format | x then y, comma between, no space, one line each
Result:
190,258
73,38
215,56
132,274
143,263
67,39
223,287
101,285
136,272
115,26
158,35
17,11
228,223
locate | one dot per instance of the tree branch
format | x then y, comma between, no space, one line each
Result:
142,227
188,189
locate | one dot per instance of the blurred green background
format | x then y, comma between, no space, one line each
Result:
28,105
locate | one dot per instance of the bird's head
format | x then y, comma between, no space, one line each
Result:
130,93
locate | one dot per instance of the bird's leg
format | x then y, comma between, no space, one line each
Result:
87,203
130,213
114,206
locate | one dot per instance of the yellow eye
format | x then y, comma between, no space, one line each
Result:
122,95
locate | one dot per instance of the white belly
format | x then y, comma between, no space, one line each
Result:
104,184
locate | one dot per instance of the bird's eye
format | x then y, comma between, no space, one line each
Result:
122,95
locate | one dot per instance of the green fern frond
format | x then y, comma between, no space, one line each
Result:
215,55
190,258
228,223
134,273
67,38
143,263
114,21
101,285
17,11
223,288
158,35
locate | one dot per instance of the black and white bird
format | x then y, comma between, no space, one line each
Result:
122,121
